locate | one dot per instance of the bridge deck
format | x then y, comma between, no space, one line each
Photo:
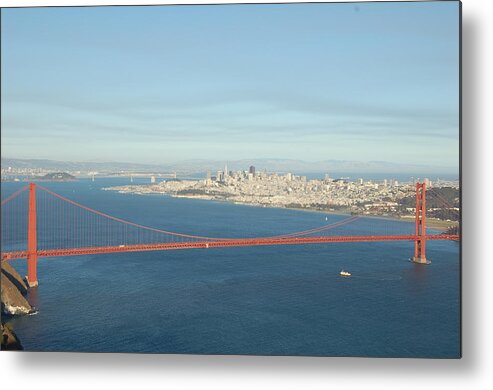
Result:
219,244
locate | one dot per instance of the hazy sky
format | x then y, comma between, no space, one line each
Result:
369,81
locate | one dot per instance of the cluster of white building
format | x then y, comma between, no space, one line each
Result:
288,190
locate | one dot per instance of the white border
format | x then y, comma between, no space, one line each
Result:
81,371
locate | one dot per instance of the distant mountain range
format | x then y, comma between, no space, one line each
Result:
188,167
54,165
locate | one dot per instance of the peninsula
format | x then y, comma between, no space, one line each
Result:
13,303
387,198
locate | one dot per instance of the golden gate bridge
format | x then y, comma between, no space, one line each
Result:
37,222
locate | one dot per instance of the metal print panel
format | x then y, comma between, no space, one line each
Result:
255,179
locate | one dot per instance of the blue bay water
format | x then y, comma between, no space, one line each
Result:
279,300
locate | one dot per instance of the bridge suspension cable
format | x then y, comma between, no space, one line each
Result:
319,229
205,238
441,199
14,195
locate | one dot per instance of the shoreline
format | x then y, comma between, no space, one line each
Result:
431,222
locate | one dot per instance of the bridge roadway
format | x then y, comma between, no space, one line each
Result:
219,244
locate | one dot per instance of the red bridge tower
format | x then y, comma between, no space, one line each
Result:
420,241
32,250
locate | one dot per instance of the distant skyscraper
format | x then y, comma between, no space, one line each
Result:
252,170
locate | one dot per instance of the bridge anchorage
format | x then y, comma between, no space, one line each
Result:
80,230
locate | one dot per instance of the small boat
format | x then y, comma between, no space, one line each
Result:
345,273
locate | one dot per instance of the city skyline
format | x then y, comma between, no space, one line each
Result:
160,84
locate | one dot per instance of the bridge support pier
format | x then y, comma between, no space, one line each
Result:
420,233
32,278
420,260
32,250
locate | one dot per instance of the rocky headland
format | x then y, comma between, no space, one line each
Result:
10,341
13,303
